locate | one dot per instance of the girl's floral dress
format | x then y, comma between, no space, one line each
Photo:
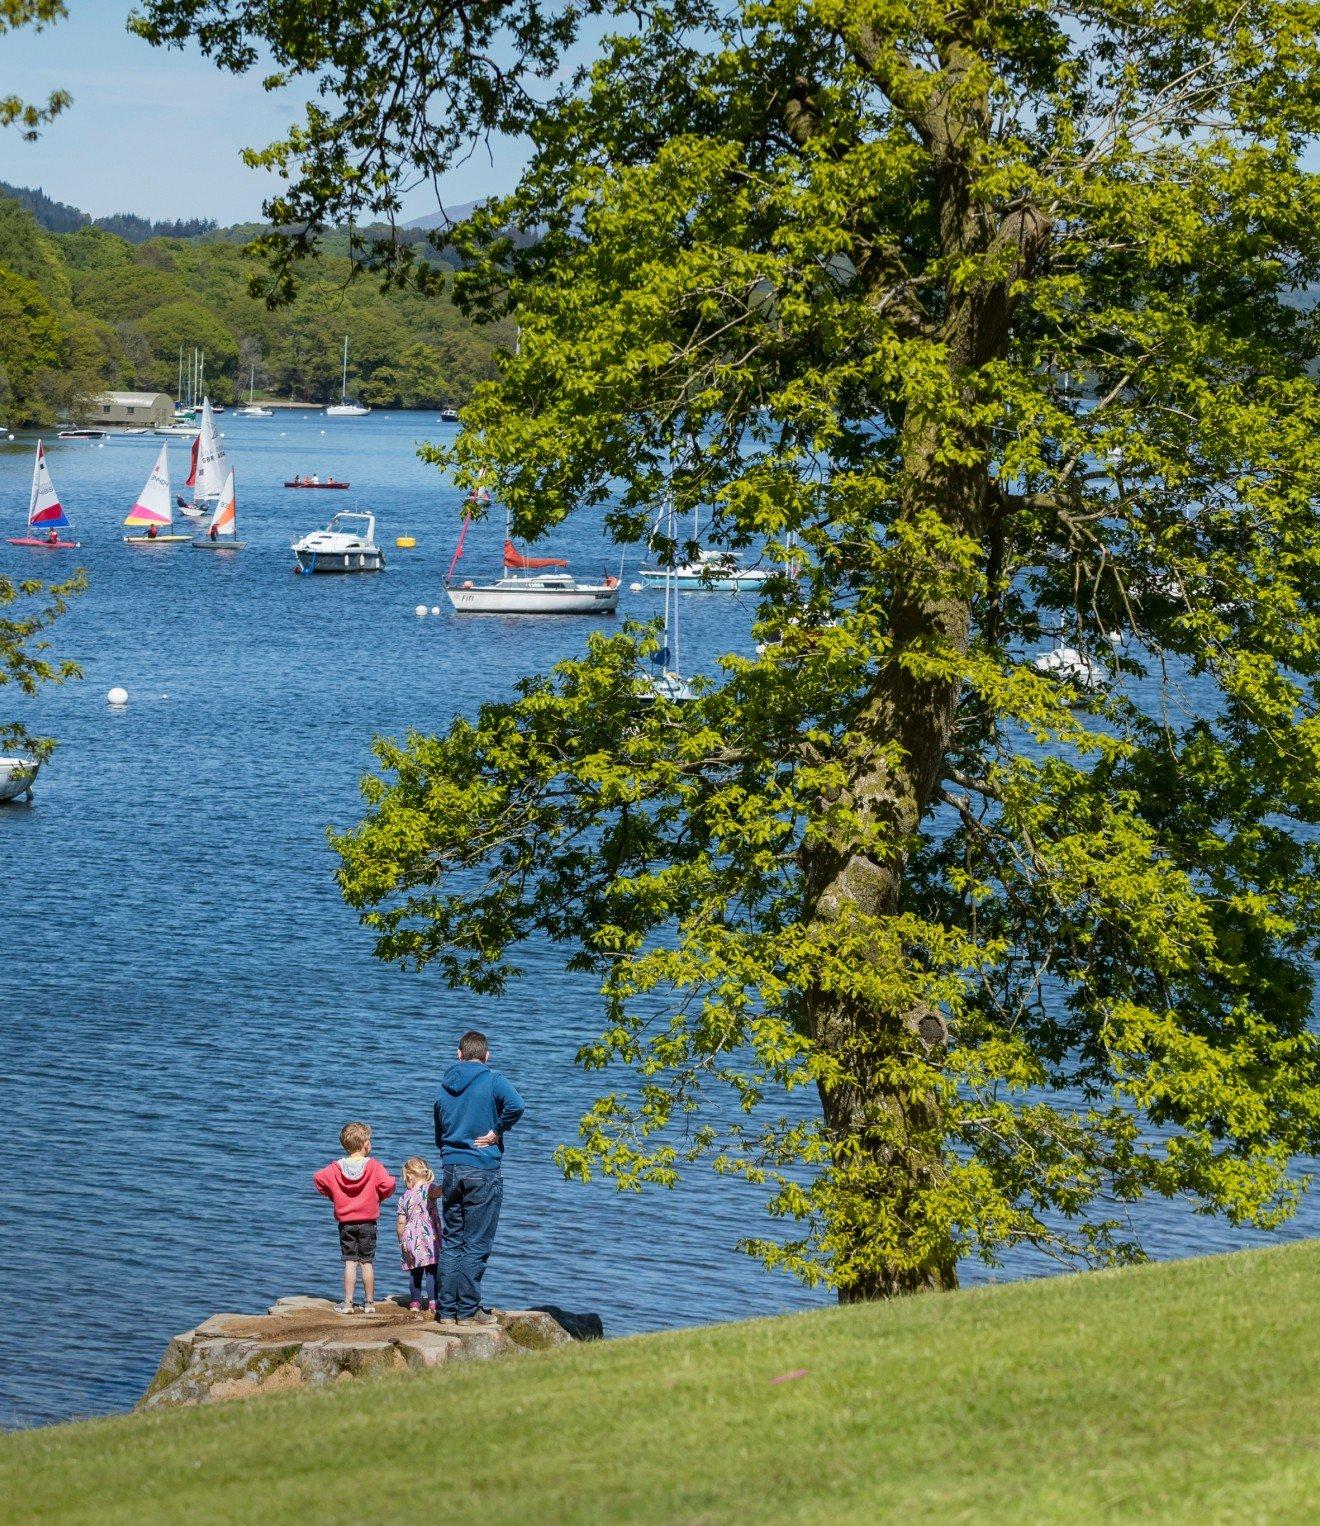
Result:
420,1244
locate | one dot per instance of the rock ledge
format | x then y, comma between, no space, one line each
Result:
302,1343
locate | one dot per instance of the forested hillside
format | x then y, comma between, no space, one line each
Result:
87,310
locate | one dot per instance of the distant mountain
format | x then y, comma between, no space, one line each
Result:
441,219
60,217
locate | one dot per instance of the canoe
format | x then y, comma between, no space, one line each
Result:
330,484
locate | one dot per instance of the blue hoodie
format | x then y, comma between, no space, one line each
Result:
474,1099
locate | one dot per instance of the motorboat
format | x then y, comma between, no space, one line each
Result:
343,409
329,482
340,547
547,593
17,776
716,570
82,434
449,416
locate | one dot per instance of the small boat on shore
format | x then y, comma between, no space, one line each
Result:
222,532
329,482
17,776
339,548
153,511
46,516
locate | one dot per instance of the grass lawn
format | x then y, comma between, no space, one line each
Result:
1188,1391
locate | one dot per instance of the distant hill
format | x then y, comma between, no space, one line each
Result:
441,219
60,217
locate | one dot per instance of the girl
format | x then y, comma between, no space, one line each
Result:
418,1228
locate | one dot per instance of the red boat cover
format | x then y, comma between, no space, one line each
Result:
514,558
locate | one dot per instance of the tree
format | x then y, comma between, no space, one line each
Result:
977,319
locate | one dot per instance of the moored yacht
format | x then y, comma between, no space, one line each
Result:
340,547
547,593
17,776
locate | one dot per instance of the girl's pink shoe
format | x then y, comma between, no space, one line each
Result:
431,1306
415,1307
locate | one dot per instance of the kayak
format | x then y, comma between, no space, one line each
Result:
330,482
46,545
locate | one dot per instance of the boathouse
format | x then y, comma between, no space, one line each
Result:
153,410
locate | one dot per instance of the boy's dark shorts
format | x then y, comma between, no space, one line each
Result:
357,1241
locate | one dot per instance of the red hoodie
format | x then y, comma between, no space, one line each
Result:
355,1187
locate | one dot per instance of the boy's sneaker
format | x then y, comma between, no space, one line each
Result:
343,1308
368,1308
481,1317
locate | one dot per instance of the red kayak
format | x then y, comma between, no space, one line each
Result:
309,482
46,545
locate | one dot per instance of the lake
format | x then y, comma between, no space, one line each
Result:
190,1012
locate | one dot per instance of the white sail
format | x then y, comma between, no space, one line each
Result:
154,505
211,462
44,510
225,519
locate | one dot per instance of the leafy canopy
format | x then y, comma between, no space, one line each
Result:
984,322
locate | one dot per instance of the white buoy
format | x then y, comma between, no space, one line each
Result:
636,587
117,696
435,609
420,611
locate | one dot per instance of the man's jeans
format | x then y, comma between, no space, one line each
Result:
472,1199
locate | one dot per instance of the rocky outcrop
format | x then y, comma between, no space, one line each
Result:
303,1343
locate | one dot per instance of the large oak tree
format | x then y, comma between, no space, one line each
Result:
984,320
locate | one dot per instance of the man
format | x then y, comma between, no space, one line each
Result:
474,1111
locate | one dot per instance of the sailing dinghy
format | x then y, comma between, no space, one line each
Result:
46,516
222,532
206,474
153,510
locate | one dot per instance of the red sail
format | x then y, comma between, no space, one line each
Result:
192,465
514,558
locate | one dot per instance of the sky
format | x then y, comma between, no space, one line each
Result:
159,132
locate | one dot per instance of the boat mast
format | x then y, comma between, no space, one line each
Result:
343,380
178,391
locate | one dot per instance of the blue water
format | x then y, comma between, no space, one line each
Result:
190,1012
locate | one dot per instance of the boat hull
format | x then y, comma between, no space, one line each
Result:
44,545
333,486
494,600
713,582
221,543
155,540
17,776
341,563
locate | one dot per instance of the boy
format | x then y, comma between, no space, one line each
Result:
357,1186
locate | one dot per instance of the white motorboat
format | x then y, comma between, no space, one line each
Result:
17,776
548,593
343,409
340,548
716,570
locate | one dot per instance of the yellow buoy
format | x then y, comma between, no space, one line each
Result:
407,542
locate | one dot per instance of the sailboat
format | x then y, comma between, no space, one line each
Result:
253,410
546,593
666,681
343,409
153,508
711,570
46,516
222,532
206,473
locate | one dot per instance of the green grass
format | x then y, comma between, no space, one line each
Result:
1177,1392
